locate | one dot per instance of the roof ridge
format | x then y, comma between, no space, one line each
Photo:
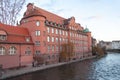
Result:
49,12
16,29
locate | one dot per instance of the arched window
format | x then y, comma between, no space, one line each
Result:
2,50
37,23
12,50
3,35
28,51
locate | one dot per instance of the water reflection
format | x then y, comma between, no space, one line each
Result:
106,68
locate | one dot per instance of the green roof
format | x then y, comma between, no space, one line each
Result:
86,30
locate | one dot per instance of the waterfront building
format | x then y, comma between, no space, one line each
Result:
94,42
116,44
105,44
110,45
41,33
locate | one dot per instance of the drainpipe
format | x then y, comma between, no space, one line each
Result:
20,57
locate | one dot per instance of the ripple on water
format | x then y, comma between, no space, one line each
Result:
105,68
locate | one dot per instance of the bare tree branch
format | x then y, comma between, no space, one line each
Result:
9,10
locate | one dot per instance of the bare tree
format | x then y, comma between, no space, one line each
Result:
9,10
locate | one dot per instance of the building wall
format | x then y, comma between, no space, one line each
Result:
8,61
17,59
115,44
82,42
30,24
47,28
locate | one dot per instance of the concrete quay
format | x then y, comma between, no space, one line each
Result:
18,72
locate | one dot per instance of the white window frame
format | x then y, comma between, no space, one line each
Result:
48,29
56,31
37,23
52,30
37,43
52,39
63,32
2,50
48,38
12,50
60,32
56,39
28,51
37,32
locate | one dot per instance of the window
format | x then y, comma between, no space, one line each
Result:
28,51
49,57
52,39
48,39
66,33
56,39
48,48
46,22
37,43
52,30
48,29
12,50
3,35
52,48
37,23
2,50
57,48
56,31
60,39
63,32
27,39
37,33
60,32
37,52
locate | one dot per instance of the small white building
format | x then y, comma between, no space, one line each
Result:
105,44
116,44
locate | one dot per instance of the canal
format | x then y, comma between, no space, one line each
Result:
105,68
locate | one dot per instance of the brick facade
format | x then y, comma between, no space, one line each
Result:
47,32
54,31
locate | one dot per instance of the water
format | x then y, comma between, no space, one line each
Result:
106,68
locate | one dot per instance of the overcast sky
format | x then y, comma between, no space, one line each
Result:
102,17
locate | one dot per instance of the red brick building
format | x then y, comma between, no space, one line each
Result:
16,46
41,33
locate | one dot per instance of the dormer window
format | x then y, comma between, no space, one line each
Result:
3,35
58,25
51,23
55,24
27,39
46,22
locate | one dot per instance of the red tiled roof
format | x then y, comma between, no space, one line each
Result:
48,15
33,13
51,17
15,34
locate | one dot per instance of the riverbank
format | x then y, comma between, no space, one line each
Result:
14,73
117,51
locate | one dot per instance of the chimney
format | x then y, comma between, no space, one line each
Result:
30,8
